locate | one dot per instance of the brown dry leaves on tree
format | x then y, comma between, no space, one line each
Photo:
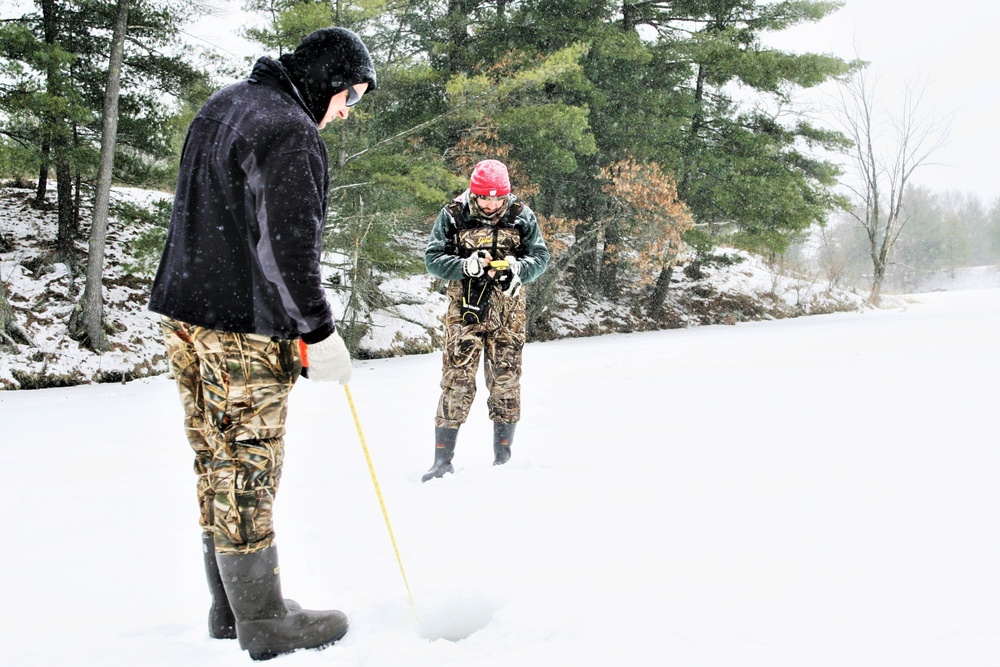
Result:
559,233
650,216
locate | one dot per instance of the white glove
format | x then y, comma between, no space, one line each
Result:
329,360
514,288
472,266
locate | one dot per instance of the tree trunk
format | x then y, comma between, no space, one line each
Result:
457,30
6,314
67,229
660,289
10,331
697,121
609,261
43,175
585,267
630,16
56,135
90,324
875,296
77,198
50,30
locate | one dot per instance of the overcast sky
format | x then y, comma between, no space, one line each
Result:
953,48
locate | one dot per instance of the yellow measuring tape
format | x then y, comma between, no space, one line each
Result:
381,502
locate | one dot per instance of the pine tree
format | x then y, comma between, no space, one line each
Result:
563,90
57,77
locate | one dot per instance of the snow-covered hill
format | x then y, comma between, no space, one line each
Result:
819,491
43,295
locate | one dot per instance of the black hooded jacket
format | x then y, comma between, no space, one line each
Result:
245,239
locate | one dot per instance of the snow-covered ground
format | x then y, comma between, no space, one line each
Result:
816,491
974,277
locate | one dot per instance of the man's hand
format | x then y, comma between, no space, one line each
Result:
473,265
514,279
329,360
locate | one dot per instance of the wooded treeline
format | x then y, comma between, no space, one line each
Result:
636,130
52,86
943,231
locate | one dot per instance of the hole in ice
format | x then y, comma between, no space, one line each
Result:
455,617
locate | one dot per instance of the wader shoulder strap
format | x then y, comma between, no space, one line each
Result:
511,219
455,210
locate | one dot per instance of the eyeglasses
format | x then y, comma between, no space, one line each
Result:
353,96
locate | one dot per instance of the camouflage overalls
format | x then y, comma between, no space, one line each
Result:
234,390
500,337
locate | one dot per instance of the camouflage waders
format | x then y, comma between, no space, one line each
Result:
500,340
234,390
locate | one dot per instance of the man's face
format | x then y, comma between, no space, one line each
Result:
490,205
341,103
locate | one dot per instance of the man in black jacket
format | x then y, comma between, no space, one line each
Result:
239,286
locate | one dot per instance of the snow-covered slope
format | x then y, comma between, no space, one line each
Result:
43,295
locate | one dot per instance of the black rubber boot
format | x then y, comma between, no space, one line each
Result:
221,621
265,625
444,451
503,436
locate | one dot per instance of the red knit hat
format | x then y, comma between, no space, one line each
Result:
489,179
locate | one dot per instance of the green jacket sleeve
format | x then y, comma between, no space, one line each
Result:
536,257
438,262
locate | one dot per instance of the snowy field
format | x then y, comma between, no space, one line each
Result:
807,492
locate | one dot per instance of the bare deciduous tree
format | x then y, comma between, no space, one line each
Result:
887,151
